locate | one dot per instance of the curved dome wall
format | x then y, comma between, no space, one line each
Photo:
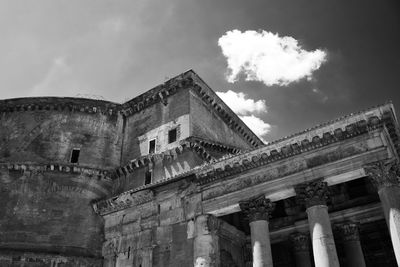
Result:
44,130
46,199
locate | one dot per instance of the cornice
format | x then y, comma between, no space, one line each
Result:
60,104
293,145
213,145
170,154
65,168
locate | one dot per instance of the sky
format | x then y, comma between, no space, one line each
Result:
283,66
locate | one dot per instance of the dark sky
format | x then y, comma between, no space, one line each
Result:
119,49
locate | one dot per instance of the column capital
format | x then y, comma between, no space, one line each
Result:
300,241
257,208
313,193
383,173
348,231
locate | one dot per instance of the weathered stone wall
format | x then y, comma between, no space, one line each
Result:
48,136
154,116
159,232
207,124
50,211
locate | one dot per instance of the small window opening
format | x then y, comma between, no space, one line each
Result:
147,177
75,155
172,134
152,146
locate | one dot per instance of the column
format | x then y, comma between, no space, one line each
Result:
385,177
206,248
314,196
301,247
351,244
258,210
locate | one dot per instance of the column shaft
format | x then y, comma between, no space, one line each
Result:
321,237
261,246
390,199
354,254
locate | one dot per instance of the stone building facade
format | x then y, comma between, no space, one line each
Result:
174,178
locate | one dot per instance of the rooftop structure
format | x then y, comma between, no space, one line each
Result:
174,178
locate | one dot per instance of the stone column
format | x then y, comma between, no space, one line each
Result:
206,248
258,210
351,243
301,248
314,195
385,177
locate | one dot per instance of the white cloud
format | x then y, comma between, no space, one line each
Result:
246,108
257,125
240,105
268,58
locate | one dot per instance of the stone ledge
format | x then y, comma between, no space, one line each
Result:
66,168
60,104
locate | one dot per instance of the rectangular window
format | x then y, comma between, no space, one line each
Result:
172,134
147,177
75,155
152,146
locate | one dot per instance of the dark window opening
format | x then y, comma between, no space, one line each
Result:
75,155
172,135
147,177
152,146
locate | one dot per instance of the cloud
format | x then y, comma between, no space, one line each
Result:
257,125
245,108
241,105
268,58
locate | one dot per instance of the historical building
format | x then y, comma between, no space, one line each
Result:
174,178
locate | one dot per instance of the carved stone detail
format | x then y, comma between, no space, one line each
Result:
213,223
383,173
313,193
348,231
300,241
258,208
123,201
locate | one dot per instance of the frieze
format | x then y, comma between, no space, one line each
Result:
268,175
123,201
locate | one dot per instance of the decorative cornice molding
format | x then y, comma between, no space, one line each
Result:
158,94
122,201
213,145
228,166
348,231
59,104
170,154
384,173
300,241
66,168
258,208
313,193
